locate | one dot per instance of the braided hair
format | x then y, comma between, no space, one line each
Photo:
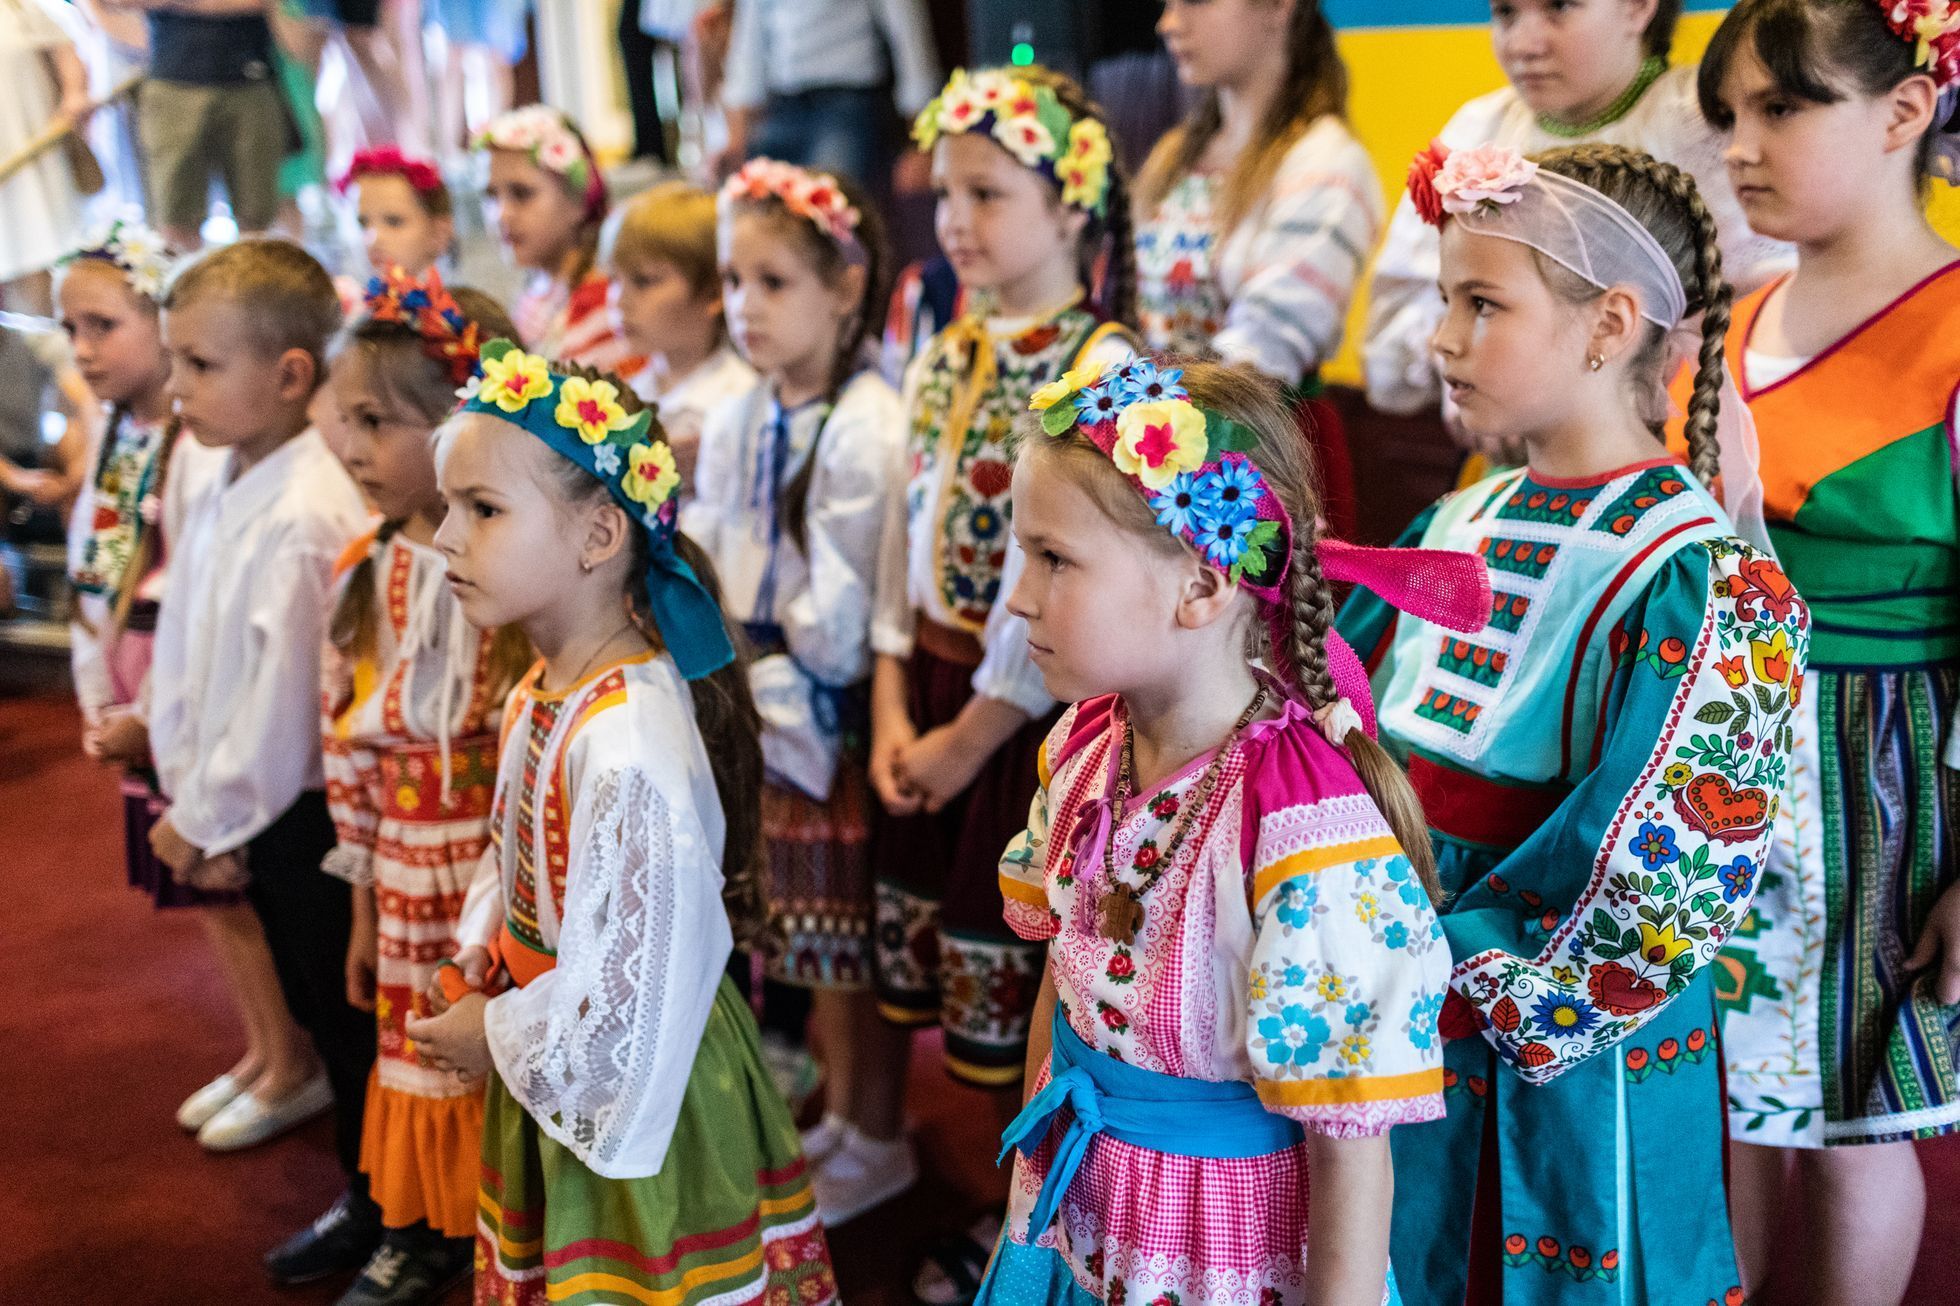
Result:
1663,199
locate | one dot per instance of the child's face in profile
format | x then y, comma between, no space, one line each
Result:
396,230
1569,58
116,334
537,215
386,449
658,311
511,539
225,384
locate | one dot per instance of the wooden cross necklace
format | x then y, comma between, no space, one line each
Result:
1121,907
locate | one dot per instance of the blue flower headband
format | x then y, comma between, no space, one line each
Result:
584,421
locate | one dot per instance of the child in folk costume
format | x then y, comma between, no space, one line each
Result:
1579,71
550,202
1256,215
1029,196
1232,877
797,477
1840,1043
634,1146
1601,764
405,213
412,698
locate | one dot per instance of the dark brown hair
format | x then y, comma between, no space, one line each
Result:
1659,36
1821,51
724,708
854,334
286,297
1257,402
412,382
1664,200
1316,85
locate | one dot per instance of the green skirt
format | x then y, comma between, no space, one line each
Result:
729,1217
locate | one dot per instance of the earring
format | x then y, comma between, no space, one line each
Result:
585,564
1595,361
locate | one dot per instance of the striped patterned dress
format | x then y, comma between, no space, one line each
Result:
1830,1039
570,324
634,1148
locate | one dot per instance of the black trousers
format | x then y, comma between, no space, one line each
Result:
637,49
308,916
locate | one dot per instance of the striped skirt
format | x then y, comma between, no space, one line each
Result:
1829,1038
728,1219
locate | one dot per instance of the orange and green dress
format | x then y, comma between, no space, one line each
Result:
1830,1040
634,1148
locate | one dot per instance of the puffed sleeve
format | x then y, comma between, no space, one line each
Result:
892,617
1349,964
1024,865
1291,268
859,473
1674,820
599,1048
717,474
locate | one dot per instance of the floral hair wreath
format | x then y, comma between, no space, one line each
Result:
583,420
1933,26
1443,182
1030,122
389,161
424,307
552,142
138,251
815,197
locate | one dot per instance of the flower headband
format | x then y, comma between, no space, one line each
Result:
1933,26
1030,122
1192,467
389,161
424,307
813,196
550,141
140,252
584,421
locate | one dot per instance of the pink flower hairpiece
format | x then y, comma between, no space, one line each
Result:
1933,26
551,141
389,161
814,196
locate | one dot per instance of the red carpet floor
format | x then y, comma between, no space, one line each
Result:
111,1013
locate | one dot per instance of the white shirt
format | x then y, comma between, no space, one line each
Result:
1404,306
780,47
821,595
688,399
235,683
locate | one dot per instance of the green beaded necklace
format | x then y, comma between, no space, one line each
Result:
1650,70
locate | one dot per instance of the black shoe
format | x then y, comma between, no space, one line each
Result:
411,1268
342,1239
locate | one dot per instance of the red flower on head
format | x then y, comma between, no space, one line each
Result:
1422,183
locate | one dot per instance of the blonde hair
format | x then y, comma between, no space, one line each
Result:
1256,402
673,222
286,297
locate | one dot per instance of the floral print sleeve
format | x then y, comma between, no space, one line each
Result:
1697,688
1023,866
1348,961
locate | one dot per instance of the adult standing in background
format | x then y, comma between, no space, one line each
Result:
40,211
1256,214
813,82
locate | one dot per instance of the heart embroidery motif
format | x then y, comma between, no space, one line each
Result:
1721,812
1618,990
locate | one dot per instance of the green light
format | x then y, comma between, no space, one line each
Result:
1022,55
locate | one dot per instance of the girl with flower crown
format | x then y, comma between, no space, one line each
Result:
403,209
1230,876
550,202
634,1147
1578,71
412,694
797,475
1256,214
1839,1023
1030,196
1601,763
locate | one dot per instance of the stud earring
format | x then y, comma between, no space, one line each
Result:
1595,361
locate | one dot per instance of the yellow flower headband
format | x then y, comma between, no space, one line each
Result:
1030,122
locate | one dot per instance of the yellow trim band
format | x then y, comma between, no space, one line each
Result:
1340,1092
1309,860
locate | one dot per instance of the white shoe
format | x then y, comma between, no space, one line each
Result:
862,1173
199,1107
823,1138
247,1122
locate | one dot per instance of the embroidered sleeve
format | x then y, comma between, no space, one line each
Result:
352,774
1006,671
1024,866
1674,820
1348,971
1302,257
859,474
598,1049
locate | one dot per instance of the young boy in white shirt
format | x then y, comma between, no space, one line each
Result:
235,684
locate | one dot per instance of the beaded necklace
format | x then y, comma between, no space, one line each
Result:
1650,70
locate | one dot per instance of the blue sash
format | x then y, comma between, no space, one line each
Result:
1146,1108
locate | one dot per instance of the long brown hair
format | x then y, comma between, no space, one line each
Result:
724,707
1108,242
1664,200
1256,402
407,379
1316,85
